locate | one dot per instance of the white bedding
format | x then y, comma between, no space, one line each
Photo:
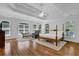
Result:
51,36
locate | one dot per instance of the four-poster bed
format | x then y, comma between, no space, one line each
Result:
58,36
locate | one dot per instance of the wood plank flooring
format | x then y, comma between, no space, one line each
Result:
30,48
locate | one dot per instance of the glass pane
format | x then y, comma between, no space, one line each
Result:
46,28
20,26
26,26
34,26
6,32
20,31
5,24
39,26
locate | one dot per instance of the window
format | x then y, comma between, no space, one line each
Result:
6,27
23,28
34,26
46,28
70,29
40,28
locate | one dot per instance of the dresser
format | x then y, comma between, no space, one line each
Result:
2,42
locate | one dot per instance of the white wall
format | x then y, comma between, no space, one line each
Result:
59,22
75,19
15,18
14,22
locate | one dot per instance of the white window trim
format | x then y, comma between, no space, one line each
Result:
23,29
7,28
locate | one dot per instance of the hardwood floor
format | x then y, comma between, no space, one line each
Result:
30,48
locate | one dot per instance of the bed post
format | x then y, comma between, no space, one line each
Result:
63,32
56,35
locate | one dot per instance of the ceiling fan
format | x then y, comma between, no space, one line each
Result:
43,11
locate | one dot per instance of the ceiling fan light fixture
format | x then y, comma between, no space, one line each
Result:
42,14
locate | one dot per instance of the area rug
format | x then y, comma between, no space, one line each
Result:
51,45
24,39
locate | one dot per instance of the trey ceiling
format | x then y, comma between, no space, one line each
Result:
53,10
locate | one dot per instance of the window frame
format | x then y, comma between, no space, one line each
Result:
24,28
5,29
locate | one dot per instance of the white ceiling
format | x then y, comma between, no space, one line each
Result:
58,10
53,10
68,8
